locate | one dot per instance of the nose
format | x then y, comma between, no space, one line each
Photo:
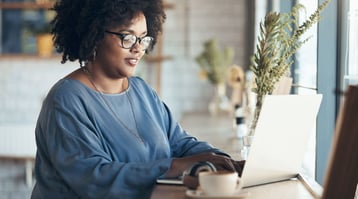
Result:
136,48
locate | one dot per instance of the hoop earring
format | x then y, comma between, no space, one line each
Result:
83,63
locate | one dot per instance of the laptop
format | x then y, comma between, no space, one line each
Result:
282,133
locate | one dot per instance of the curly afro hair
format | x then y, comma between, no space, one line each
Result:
80,24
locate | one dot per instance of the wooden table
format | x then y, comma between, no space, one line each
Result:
296,188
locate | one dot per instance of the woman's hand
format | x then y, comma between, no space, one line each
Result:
239,166
221,162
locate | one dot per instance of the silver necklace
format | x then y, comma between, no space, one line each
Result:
137,135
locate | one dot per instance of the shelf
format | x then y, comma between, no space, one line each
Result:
156,59
168,5
30,5
148,58
28,56
25,5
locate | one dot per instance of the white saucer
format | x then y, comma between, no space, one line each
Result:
200,195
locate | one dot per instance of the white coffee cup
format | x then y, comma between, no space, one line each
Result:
220,183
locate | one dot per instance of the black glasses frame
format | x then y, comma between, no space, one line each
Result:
138,39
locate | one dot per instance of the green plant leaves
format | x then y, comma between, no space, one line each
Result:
215,62
278,40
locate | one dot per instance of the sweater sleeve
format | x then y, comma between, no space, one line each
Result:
182,143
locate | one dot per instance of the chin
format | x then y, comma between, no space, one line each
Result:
126,73
131,73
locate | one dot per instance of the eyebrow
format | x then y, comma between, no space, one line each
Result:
132,32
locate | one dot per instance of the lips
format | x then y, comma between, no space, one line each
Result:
132,61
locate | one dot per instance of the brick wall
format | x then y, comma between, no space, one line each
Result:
188,25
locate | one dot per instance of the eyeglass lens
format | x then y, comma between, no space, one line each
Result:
128,41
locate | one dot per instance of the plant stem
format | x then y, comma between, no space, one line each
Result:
259,102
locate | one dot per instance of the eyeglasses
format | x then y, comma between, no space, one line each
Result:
128,41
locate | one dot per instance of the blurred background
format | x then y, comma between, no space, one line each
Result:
326,64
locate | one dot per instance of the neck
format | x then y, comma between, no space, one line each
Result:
104,84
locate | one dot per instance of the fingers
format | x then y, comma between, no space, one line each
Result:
222,162
191,182
239,166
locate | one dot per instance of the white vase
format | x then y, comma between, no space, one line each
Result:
220,103
247,141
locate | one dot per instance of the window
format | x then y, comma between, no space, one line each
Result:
305,76
305,70
351,58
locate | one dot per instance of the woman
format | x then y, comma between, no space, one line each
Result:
103,133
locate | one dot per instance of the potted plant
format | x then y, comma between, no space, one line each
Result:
42,32
278,40
44,40
214,64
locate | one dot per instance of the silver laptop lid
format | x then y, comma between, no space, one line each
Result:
281,136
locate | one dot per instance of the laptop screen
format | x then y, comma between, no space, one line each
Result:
283,130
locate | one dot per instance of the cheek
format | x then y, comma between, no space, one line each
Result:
114,52
142,53
104,49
